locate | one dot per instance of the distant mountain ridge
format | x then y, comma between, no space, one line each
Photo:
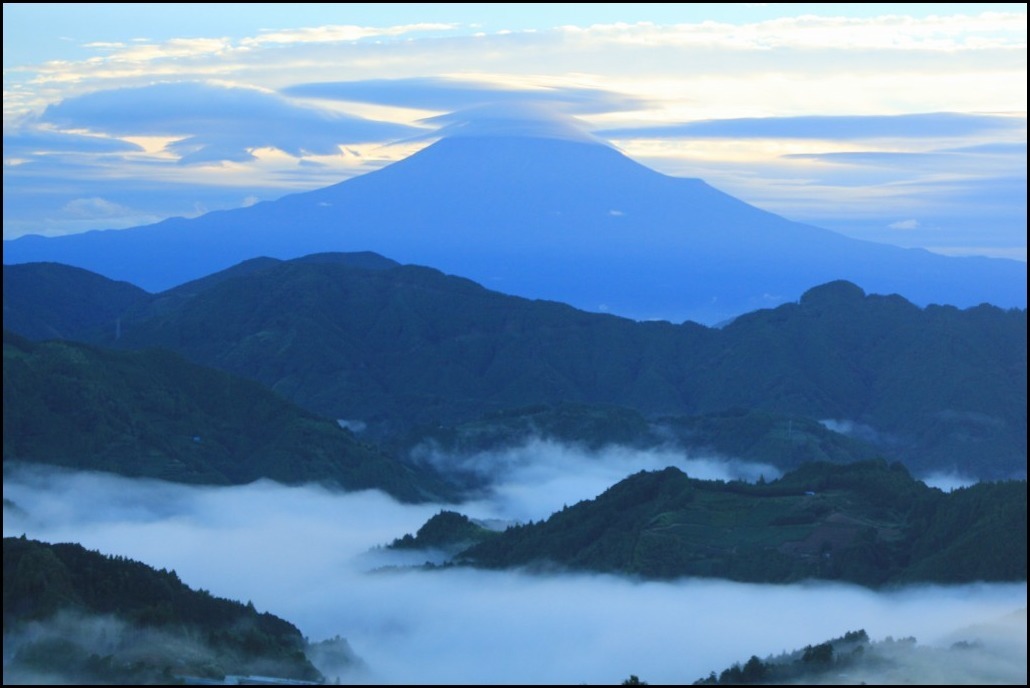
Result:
393,347
564,220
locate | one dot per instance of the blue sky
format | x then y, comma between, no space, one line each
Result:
903,123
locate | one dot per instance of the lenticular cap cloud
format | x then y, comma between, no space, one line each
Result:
32,140
445,93
219,123
523,119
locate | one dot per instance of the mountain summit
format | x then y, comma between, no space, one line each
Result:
533,206
527,120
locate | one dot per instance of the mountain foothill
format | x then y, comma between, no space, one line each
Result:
405,351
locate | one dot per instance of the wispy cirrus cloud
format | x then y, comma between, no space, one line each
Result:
338,33
175,48
634,52
986,31
832,127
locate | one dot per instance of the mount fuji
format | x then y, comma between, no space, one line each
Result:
543,210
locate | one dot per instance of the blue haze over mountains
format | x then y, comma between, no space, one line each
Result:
536,208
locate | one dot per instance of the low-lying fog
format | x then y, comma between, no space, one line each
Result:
303,553
539,477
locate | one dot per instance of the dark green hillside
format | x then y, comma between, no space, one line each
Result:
786,441
173,298
869,523
448,530
54,301
74,615
154,414
591,426
401,347
410,344
945,387
977,533
759,436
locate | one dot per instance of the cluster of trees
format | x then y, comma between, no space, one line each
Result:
447,530
806,665
160,626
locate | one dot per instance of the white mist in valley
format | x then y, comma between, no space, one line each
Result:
302,554
948,482
532,480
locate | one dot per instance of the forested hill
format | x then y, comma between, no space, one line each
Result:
761,437
982,656
869,523
74,615
937,387
54,301
154,414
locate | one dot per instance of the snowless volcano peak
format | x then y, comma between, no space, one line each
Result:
530,120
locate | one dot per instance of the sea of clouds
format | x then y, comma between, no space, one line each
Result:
312,556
